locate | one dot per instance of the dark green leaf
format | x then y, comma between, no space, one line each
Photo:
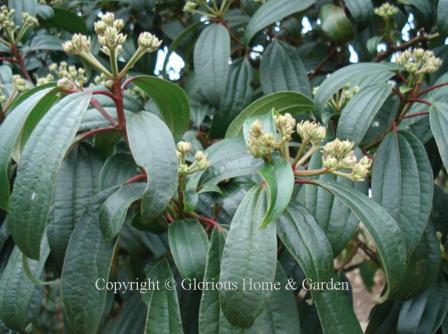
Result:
86,266
249,252
117,169
335,24
271,12
130,320
402,182
438,118
361,10
211,61
153,148
283,102
171,101
67,20
189,245
23,6
281,69
36,174
163,307
442,15
360,111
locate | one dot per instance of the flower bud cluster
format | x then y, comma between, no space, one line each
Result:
2,94
340,99
148,42
419,61
261,144
311,132
386,11
285,124
190,6
339,155
7,20
109,35
103,80
68,75
78,45
20,84
29,20
200,161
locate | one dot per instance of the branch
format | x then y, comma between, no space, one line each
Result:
208,221
419,101
20,62
423,113
429,89
319,66
136,178
102,111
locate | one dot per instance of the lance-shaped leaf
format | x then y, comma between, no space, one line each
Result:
250,253
16,289
211,61
117,169
360,111
361,74
171,100
309,246
283,102
189,245
389,239
438,119
279,179
153,148
402,182
163,307
86,270
36,174
271,12
35,105
76,184
281,69
114,209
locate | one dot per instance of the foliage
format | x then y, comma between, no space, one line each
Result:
138,194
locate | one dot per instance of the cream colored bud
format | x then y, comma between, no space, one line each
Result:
182,169
184,147
256,129
148,42
203,164
108,18
119,24
66,84
190,6
330,163
78,44
100,27
53,67
200,155
29,20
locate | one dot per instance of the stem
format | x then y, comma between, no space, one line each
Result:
136,178
207,220
302,147
102,111
319,66
304,181
308,154
312,172
423,113
94,132
429,89
118,98
419,101
113,62
20,62
130,64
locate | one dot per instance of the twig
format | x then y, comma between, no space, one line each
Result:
429,89
20,62
419,101
319,66
207,220
136,178
416,114
304,181
99,107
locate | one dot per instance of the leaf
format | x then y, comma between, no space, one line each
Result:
117,169
36,174
86,271
23,6
442,15
67,20
171,101
271,12
335,24
153,148
402,182
249,252
10,132
279,179
283,102
267,121
385,231
76,184
361,10
238,94
46,42
361,74
336,219
131,319
113,211
425,312
360,111
189,245
309,246
163,307
16,290
211,61
438,119
281,69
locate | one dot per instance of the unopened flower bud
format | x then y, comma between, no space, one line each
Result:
77,45
190,6
100,27
29,20
148,41
182,169
184,147
108,18
311,132
386,11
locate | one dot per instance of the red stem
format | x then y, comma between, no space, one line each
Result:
419,101
20,62
304,181
416,114
429,89
208,221
118,98
136,178
98,130
10,59
102,111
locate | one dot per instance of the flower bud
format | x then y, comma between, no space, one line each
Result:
190,6
108,18
29,20
100,27
77,45
184,147
386,11
148,41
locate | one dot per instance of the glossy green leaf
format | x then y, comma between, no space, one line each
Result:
171,101
153,148
279,179
237,96
211,61
163,307
360,111
86,266
335,24
283,102
307,243
271,12
438,118
250,252
189,245
117,169
131,319
442,15
281,69
113,211
36,174
23,6
425,312
402,182
361,10
16,290
12,128
76,184
361,74
389,239
67,20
